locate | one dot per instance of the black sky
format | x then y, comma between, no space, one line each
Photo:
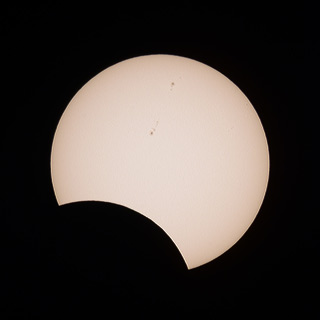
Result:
97,257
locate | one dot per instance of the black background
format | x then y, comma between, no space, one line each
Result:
96,258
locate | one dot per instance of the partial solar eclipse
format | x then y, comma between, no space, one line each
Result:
172,139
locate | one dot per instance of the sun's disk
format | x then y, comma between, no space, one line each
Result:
171,138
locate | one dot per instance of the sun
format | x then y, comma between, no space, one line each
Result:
170,138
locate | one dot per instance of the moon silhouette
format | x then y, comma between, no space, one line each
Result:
172,139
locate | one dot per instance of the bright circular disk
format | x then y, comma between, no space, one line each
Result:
172,139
